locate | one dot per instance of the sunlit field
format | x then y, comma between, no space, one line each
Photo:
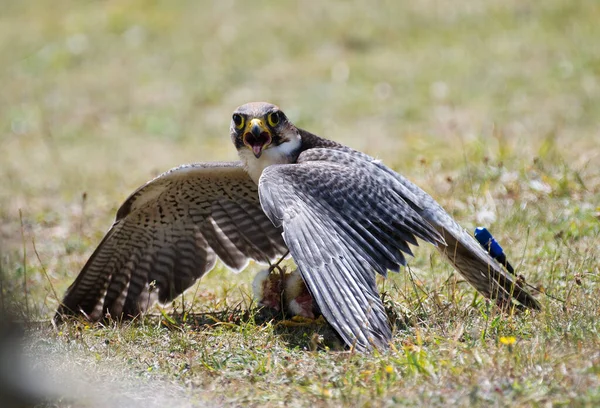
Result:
493,107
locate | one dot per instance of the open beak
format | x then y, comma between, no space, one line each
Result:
257,136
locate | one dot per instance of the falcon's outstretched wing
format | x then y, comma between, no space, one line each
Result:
463,251
168,234
343,218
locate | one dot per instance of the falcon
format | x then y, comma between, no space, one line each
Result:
342,215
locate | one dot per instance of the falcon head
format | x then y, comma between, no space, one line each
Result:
263,135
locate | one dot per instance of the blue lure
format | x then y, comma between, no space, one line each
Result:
487,241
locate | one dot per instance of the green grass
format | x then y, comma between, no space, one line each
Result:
491,106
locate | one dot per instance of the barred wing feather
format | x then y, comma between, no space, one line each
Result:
168,234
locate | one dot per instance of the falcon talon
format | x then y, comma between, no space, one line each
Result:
291,191
301,321
290,323
320,320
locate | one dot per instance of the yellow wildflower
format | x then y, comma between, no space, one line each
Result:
508,340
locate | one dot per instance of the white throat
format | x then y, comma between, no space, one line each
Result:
281,154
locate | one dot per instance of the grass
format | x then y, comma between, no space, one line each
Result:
492,107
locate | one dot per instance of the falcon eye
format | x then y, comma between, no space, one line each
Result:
238,120
274,118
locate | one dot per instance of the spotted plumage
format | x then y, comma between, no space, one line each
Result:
341,214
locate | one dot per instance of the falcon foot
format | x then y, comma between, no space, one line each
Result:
301,321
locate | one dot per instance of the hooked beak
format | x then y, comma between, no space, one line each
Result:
257,136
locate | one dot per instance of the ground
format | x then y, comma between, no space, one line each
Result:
493,107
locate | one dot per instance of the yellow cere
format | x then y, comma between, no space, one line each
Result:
257,122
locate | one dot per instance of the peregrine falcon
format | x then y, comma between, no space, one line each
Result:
342,215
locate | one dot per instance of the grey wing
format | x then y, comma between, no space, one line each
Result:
462,250
168,234
472,261
341,222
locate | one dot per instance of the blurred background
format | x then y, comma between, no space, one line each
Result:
491,106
